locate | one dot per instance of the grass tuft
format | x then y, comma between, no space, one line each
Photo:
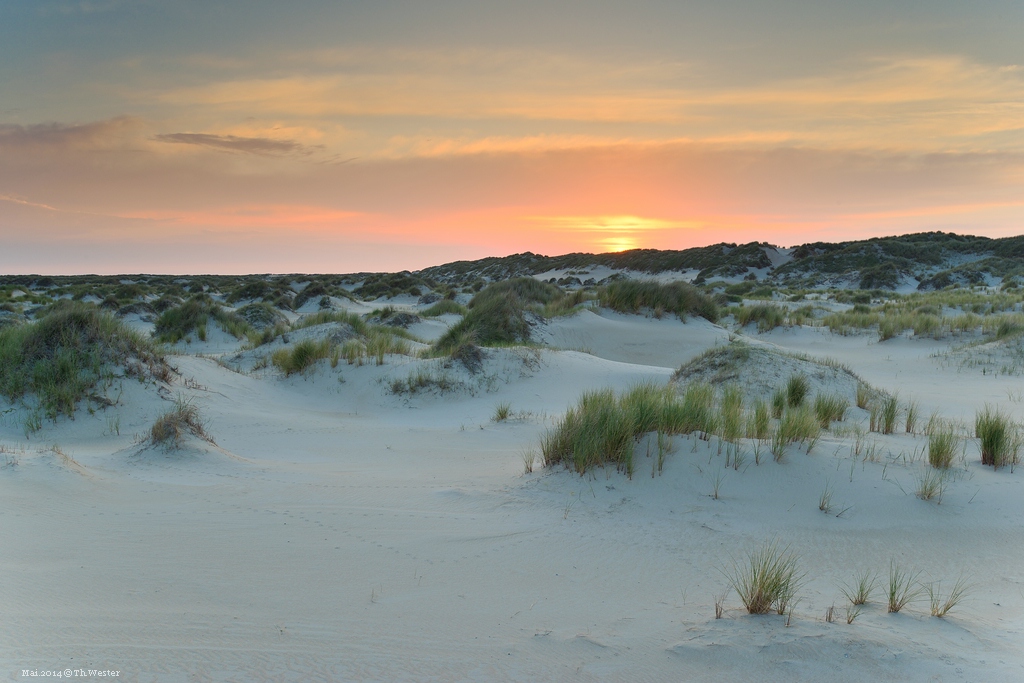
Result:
768,580
998,436
902,588
796,390
182,420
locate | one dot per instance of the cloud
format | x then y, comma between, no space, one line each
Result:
922,103
234,143
97,134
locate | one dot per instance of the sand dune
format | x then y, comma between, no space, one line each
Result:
337,531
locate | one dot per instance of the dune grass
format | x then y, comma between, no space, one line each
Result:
679,298
766,316
444,307
943,444
769,579
940,606
303,355
830,408
171,428
498,314
902,588
859,592
998,436
178,323
797,388
602,429
61,358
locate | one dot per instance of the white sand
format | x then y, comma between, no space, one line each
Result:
337,532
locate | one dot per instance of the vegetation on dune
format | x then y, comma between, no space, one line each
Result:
61,358
999,437
183,420
679,298
178,323
498,315
768,580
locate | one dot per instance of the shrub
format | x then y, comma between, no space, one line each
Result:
171,428
1000,443
768,580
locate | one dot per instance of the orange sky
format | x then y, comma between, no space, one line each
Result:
342,138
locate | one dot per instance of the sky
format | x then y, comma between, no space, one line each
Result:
332,136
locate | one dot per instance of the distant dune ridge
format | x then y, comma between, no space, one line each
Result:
717,464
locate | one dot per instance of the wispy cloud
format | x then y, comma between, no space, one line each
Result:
63,136
234,143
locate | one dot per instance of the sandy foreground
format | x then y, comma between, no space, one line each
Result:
339,532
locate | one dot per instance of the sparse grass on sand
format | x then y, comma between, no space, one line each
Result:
902,588
171,428
769,579
859,593
939,605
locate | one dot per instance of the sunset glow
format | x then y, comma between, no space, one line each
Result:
389,137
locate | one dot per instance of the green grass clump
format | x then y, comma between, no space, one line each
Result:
830,408
634,296
443,307
63,356
175,324
302,355
998,436
888,414
172,427
768,580
497,315
759,425
598,431
767,316
796,390
778,403
800,424
943,444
